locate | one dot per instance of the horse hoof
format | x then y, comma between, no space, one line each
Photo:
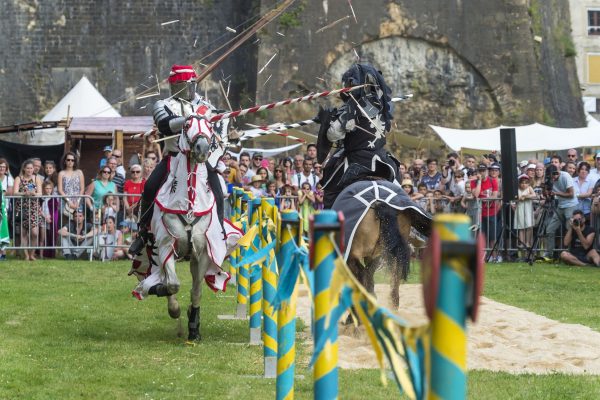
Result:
194,337
175,313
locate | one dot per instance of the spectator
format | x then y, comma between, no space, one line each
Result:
133,186
271,190
458,191
572,155
583,189
494,173
306,200
423,201
116,177
37,167
485,187
51,174
530,171
307,175
298,164
580,241
118,155
402,169
264,175
408,187
152,155
100,187
256,186
148,166
288,169
538,180
556,160
441,203
594,175
107,153
570,168
6,189
432,178
29,186
257,159
70,183
288,198
242,177
110,207
470,163
232,165
280,178
471,204
318,170
51,214
448,172
151,146
523,214
75,235
564,192
111,241
319,197
311,151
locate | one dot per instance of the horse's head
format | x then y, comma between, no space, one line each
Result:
198,138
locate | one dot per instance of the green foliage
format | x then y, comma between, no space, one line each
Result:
536,18
291,19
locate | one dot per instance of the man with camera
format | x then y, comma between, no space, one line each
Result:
558,185
580,241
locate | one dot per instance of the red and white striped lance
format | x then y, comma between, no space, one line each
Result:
252,133
238,113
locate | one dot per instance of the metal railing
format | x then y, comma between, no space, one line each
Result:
47,224
117,225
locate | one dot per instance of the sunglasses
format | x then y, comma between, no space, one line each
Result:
70,159
258,158
116,156
572,155
106,172
136,172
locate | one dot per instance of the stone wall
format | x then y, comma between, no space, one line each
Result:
121,45
469,63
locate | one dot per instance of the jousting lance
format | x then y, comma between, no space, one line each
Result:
238,113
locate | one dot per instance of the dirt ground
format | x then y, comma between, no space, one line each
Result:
505,338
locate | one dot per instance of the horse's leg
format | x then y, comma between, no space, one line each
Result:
199,264
357,270
401,261
167,246
173,306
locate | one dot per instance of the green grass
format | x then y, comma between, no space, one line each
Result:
71,330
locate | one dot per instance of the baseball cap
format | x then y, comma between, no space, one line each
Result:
471,172
107,148
257,154
523,163
495,166
482,166
598,154
547,160
523,176
531,166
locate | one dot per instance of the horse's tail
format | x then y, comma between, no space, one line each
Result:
396,249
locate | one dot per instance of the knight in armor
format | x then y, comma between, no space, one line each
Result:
170,115
358,130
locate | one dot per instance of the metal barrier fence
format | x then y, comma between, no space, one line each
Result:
45,224
117,225
525,228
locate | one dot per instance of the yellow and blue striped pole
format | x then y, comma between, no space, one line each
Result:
448,378
255,278
269,278
235,216
286,315
243,271
325,371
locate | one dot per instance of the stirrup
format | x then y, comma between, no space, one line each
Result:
137,246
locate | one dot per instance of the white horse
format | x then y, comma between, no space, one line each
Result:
185,223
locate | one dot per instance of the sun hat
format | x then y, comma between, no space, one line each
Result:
257,178
407,182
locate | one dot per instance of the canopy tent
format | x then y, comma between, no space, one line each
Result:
83,100
530,138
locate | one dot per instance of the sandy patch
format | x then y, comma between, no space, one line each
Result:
505,338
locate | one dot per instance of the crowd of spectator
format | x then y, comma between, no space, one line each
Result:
466,184
59,208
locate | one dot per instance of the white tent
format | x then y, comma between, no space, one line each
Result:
530,138
83,100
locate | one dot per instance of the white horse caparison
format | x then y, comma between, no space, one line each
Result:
180,235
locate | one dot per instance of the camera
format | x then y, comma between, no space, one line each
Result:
576,222
451,162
